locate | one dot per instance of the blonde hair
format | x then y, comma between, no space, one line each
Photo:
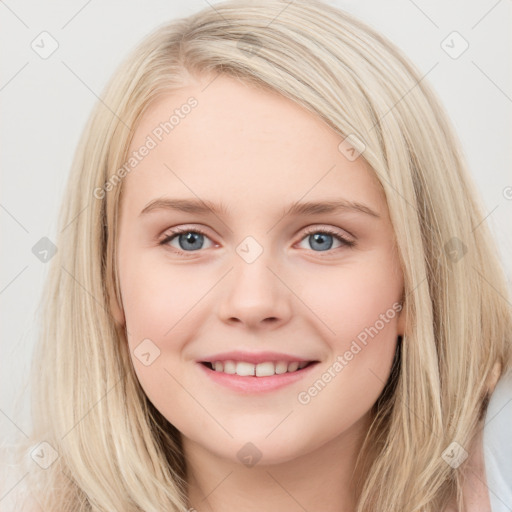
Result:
116,452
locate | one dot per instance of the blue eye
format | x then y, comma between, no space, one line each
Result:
192,240
321,240
189,240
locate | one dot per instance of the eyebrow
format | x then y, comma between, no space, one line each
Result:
198,206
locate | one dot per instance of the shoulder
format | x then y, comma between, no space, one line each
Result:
488,468
475,488
497,444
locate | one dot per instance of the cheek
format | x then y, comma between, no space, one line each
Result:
157,297
352,298
359,308
158,304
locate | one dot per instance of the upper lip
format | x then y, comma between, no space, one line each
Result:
254,357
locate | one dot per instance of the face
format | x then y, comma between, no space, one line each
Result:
258,282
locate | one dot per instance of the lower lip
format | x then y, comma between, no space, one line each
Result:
252,384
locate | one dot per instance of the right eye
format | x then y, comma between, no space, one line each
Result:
188,240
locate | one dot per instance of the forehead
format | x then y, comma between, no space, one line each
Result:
242,144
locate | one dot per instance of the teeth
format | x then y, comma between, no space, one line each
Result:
265,369
245,369
229,367
259,370
281,368
292,367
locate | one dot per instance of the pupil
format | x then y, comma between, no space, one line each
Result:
193,239
320,240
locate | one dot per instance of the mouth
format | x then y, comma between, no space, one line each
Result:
245,378
264,369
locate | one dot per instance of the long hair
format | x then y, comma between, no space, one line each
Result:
114,450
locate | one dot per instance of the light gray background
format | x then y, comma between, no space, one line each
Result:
45,103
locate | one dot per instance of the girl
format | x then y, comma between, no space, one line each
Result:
280,294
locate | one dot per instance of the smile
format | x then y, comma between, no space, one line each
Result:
247,378
266,369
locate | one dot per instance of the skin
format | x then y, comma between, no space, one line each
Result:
256,152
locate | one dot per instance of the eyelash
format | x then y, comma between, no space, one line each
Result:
178,231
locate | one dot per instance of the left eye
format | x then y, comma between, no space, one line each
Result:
322,240
193,240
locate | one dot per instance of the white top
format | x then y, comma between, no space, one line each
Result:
497,443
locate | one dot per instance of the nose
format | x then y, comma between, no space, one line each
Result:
255,295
